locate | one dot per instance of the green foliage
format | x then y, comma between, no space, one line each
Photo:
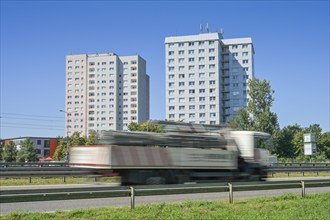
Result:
2,146
91,139
284,145
287,206
148,126
60,150
75,140
257,116
9,152
27,153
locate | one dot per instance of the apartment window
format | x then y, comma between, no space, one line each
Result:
191,67
191,83
201,67
212,107
190,51
181,100
181,115
201,51
171,100
171,61
202,107
246,69
201,83
244,84
245,76
171,108
171,76
201,59
235,93
212,98
170,45
91,63
181,60
191,43
211,42
235,84
191,107
211,50
191,75
201,90
191,115
191,91
171,53
171,68
244,54
212,91
201,43
191,99
181,52
202,99
211,58
212,82
181,68
201,75
245,61
202,115
235,54
69,61
133,62
212,66
171,84
181,107
212,115
181,44
212,74
234,47
181,83
244,46
181,76
171,115
235,77
181,92
191,60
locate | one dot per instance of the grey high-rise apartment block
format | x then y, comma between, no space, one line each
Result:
206,77
105,92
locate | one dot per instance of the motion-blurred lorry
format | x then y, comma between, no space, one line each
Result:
192,153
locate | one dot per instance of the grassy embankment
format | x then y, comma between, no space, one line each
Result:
288,206
77,180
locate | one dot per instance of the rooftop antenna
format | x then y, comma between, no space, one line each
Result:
201,28
221,31
207,27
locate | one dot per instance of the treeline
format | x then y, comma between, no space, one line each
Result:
288,143
9,152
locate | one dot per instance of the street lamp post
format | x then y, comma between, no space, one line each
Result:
67,133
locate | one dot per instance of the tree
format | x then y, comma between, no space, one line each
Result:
9,152
27,153
257,116
60,149
91,139
148,126
2,145
284,146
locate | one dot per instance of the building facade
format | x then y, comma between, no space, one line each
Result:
105,92
206,77
44,146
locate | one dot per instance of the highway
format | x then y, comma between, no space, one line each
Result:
49,206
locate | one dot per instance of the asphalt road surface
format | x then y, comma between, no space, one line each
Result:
50,206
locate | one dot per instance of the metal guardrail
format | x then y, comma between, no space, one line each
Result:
296,164
34,164
133,191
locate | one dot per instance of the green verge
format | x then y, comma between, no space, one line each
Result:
299,174
287,206
54,180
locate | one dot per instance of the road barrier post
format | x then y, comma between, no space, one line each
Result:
64,179
231,197
30,179
132,197
303,189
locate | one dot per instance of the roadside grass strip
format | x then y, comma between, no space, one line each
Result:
284,207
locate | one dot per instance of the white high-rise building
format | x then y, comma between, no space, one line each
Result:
105,92
206,77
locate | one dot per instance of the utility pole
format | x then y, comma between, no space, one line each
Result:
67,133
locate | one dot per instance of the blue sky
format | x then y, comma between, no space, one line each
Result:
291,41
